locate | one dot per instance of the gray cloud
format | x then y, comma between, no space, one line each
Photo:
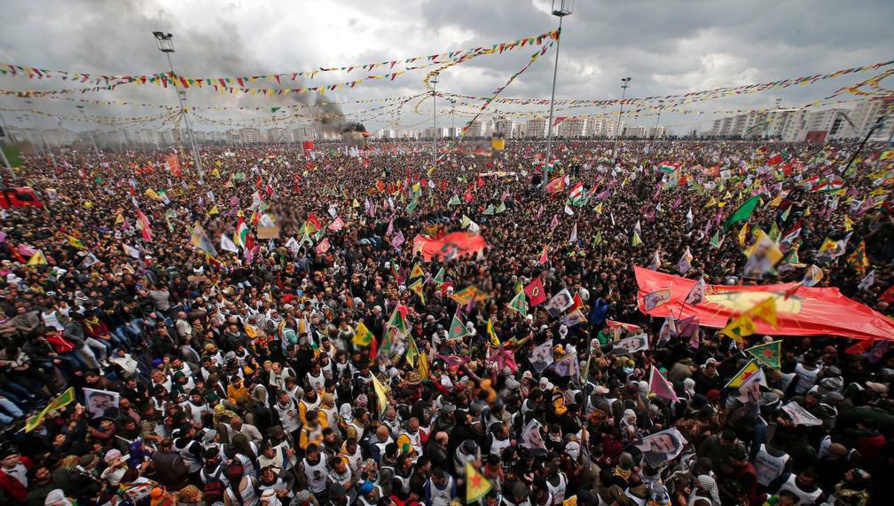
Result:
667,46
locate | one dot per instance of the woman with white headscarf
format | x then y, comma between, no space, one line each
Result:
705,489
629,430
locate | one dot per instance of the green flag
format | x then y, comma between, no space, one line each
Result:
454,201
742,213
466,221
501,208
398,321
518,304
785,214
412,351
457,329
768,354
439,277
774,232
413,202
598,239
715,240
489,211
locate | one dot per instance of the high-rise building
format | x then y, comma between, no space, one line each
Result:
573,128
250,135
505,127
535,128
278,135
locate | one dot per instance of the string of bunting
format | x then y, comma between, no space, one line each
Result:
103,120
85,77
696,95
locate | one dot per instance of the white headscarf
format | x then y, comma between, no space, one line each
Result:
706,482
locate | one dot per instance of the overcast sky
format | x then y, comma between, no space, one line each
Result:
666,46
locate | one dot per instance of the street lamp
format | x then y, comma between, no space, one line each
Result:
166,46
434,116
625,82
561,8
658,120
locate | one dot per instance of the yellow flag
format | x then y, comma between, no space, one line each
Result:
355,204
477,486
74,241
765,311
151,194
750,368
416,272
740,327
422,365
215,172
416,288
120,219
214,210
381,394
494,340
64,399
38,259
362,335
743,235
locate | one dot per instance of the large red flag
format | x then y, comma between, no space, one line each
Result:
449,246
535,292
810,311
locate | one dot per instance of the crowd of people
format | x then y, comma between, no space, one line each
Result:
312,356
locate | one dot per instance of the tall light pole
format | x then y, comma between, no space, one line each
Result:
166,46
564,8
658,120
625,82
434,116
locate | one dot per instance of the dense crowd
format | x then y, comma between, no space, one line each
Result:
245,377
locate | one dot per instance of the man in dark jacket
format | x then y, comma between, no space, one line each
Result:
170,469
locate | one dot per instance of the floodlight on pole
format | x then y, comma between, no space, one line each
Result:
625,82
166,45
560,9
434,116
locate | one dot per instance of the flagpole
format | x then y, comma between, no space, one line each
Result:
560,11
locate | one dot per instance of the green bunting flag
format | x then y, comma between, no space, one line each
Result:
439,277
454,201
715,240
